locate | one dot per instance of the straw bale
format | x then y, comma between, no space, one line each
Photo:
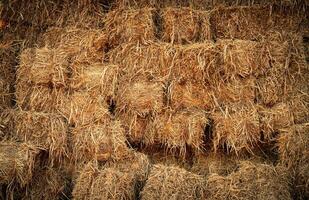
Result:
178,129
237,127
100,142
251,181
197,62
84,181
113,184
44,130
134,163
46,67
125,25
184,25
252,22
293,146
73,40
236,91
275,118
140,97
243,57
47,183
152,60
205,164
17,162
96,78
136,127
171,182
186,94
83,108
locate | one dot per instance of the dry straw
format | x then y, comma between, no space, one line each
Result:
17,162
83,108
189,95
43,130
237,127
219,163
136,127
125,25
100,142
252,22
171,182
184,25
151,61
293,146
140,98
275,118
251,181
178,129
96,78
47,183
243,58
114,180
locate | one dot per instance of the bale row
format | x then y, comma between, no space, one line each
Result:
185,25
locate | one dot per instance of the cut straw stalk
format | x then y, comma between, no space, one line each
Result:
177,130
184,25
251,181
237,127
166,182
100,142
17,162
125,25
43,130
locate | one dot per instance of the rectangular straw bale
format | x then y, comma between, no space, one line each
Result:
40,98
140,97
196,62
183,95
48,183
219,163
293,145
72,39
252,181
152,60
247,23
184,25
165,182
178,129
125,25
45,131
114,180
49,67
237,127
17,162
236,91
275,118
96,78
136,127
243,58
82,108
99,142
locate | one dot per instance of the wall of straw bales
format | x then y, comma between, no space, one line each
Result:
120,99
